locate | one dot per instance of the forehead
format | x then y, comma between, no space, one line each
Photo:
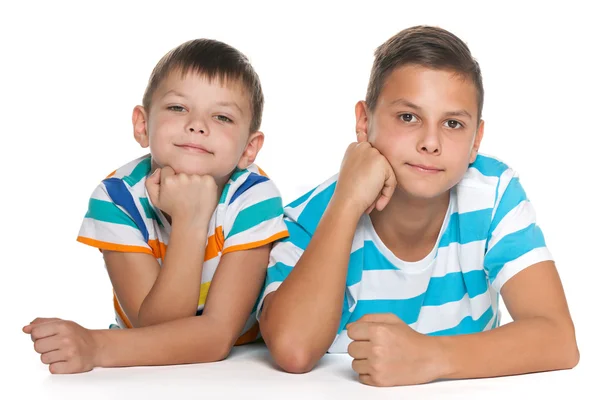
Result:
429,88
197,84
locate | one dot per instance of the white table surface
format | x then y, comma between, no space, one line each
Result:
248,373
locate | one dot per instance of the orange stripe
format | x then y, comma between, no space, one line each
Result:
253,245
260,171
111,174
159,249
113,246
250,336
120,311
212,247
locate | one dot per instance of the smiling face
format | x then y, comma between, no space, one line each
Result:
425,123
197,125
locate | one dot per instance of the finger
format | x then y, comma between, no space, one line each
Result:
68,367
41,331
366,379
54,356
359,349
389,186
361,137
371,208
358,330
43,320
153,186
166,172
360,366
384,318
47,344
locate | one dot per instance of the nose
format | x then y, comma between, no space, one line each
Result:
429,141
196,125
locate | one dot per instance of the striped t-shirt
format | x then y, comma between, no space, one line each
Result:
120,217
489,234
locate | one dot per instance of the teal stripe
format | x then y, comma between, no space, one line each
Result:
298,236
467,227
406,309
468,325
374,260
237,173
277,273
139,172
301,199
453,287
149,211
224,193
355,267
511,247
489,166
512,197
107,211
312,213
255,214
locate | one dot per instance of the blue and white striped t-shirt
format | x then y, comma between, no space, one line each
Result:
489,234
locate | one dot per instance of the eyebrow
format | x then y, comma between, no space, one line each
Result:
457,113
230,104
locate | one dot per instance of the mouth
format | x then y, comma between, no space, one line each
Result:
194,148
428,169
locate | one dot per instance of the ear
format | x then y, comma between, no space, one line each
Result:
255,143
140,126
477,142
362,117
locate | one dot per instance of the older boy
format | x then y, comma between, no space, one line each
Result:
400,258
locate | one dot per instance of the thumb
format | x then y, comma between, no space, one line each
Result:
361,137
153,186
389,186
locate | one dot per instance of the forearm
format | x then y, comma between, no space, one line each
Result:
189,340
303,315
529,345
177,288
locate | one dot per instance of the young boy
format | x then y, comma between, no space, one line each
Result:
199,194
426,235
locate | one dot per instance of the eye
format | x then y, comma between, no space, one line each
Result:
453,124
176,108
408,118
223,118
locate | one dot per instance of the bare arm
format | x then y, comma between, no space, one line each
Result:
540,338
299,321
69,348
150,294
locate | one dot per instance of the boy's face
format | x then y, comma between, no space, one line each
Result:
197,126
425,124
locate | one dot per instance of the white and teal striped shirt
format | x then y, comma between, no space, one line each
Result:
489,234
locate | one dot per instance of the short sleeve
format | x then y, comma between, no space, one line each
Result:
254,215
284,256
515,241
113,220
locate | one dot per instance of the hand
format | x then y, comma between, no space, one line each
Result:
65,346
190,198
366,177
387,352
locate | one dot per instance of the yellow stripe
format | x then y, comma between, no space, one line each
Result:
203,293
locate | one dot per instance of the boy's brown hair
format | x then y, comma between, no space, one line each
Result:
212,59
428,46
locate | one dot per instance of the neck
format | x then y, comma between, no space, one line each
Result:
410,226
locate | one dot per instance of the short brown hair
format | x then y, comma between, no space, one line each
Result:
427,46
212,59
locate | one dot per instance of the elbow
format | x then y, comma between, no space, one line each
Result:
568,355
288,352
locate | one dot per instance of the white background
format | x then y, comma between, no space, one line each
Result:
71,73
